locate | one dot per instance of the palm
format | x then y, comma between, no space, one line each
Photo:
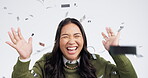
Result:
23,47
111,39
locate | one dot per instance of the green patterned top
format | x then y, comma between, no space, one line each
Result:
104,69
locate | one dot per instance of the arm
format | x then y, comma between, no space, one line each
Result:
123,68
24,49
21,70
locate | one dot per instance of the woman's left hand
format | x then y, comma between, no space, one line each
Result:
111,39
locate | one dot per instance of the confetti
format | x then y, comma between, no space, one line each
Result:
65,5
43,49
32,34
121,27
89,21
10,13
66,14
3,77
5,7
31,15
48,7
83,18
122,23
75,4
26,18
41,44
17,18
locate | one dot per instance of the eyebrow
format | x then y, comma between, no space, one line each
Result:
74,34
77,33
64,34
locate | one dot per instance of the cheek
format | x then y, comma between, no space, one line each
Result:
62,43
80,42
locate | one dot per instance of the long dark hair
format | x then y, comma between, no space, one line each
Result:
54,65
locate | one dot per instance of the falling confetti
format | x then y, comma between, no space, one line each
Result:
18,18
32,34
3,77
41,44
5,7
10,13
75,4
45,48
122,23
83,18
89,21
66,14
26,18
31,15
48,7
121,26
65,5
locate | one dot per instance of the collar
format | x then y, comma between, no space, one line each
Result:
71,62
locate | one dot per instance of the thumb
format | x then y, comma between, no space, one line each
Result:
30,41
118,35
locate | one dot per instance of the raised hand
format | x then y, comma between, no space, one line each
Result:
111,39
23,47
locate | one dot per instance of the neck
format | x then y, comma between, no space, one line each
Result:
71,61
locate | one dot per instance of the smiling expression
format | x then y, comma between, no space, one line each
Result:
71,41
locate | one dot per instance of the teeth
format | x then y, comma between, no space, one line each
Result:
73,48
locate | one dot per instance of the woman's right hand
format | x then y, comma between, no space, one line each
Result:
23,47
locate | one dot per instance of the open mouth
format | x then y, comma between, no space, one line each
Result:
71,50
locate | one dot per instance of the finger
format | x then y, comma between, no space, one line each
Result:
11,44
20,34
15,34
30,41
103,42
111,32
11,37
108,31
104,36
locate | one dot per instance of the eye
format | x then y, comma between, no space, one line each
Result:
77,36
64,36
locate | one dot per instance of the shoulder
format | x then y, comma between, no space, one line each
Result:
96,57
99,60
44,57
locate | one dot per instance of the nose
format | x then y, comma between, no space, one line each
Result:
71,41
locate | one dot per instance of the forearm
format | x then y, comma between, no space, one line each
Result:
21,70
124,67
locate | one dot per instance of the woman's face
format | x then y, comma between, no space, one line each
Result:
71,41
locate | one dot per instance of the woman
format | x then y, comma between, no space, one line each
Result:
70,57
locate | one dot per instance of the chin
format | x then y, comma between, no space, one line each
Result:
72,57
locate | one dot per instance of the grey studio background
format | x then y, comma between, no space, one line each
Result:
42,17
